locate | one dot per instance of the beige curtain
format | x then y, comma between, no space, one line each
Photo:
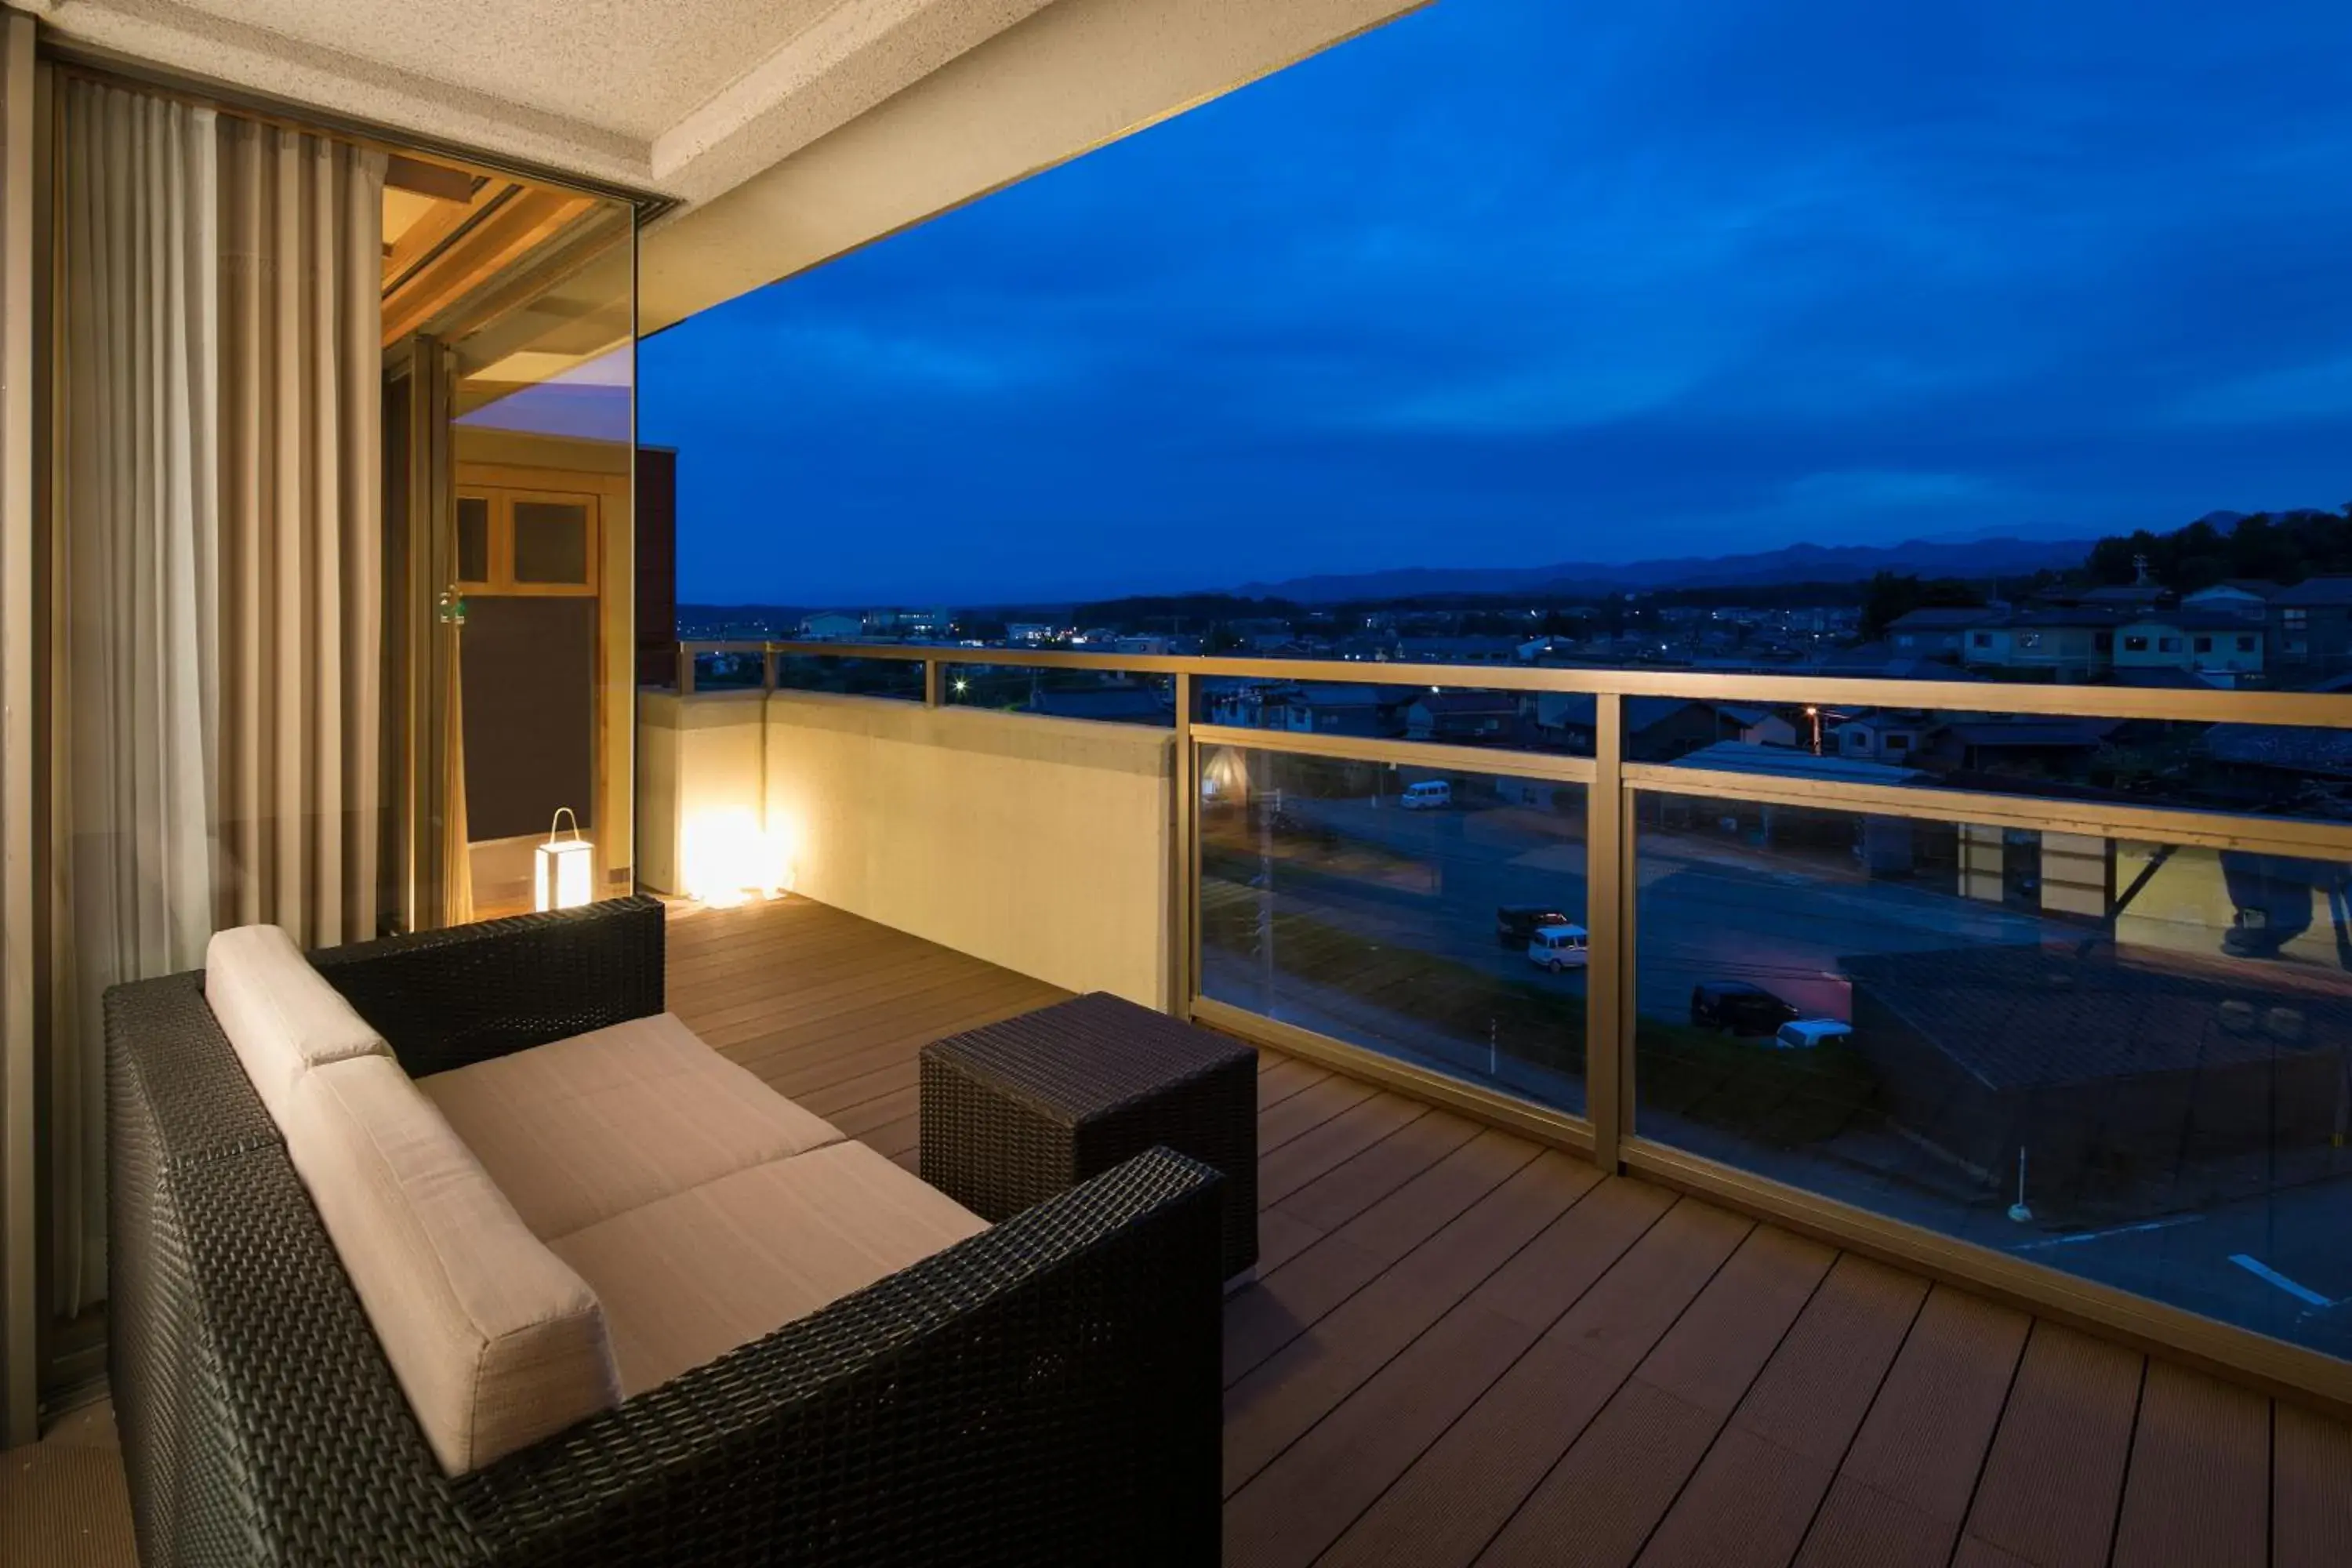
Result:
301,551
139,497
219,555
456,838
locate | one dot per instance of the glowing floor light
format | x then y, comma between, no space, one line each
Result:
728,857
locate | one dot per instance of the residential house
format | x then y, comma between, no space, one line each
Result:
1473,718
1124,703
2217,645
1657,728
2310,626
833,626
2019,743
2248,597
1332,709
1755,726
1938,632
1885,736
1458,650
2063,644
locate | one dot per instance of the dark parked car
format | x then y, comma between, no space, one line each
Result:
1516,924
1738,1008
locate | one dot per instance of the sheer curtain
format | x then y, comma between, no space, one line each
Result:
219,559
301,551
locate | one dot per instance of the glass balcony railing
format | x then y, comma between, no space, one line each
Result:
2125,1058
2102,1031
1433,916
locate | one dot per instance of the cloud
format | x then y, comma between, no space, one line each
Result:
1690,274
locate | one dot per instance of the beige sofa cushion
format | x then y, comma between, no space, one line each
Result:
280,1015
587,1128
496,1341
688,1278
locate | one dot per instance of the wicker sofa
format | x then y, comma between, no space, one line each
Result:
1046,1391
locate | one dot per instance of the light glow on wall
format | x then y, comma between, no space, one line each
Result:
727,858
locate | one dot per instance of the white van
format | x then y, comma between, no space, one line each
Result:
1804,1034
1556,948
1430,795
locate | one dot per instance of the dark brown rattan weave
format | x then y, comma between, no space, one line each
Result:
1046,1392
1016,1112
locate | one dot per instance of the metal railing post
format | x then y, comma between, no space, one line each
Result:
768,667
935,681
1184,882
1608,1032
686,669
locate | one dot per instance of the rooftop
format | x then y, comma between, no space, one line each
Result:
2018,1017
2315,593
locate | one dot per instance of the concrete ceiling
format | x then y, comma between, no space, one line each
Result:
685,99
787,132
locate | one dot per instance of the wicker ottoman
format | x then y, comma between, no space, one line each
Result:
1017,1111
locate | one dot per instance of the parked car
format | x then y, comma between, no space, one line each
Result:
1516,924
1430,795
1804,1034
1556,948
1738,1008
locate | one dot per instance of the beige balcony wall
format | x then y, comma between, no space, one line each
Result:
1041,845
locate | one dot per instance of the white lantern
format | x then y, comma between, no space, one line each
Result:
563,877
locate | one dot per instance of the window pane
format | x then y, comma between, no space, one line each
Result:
1433,917
550,541
473,539
2124,1060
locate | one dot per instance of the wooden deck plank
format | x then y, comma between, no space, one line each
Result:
1301,1113
2055,1473
1286,1078
1465,1487
2310,1489
1338,1196
1287,1301
2198,1494
1282,1171
1771,1486
1754,1495
1904,1489
1268,1410
1299,1504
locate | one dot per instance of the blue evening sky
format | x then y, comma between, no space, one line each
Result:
1522,281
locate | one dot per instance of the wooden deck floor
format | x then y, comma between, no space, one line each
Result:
1464,1348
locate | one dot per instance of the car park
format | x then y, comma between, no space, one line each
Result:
1805,1034
1557,947
1516,924
1737,1008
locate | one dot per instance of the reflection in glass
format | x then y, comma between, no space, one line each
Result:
2128,1061
473,539
550,541
1433,917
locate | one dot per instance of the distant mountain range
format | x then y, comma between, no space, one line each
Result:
2002,556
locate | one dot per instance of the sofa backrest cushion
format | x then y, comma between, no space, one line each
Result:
279,1014
494,1339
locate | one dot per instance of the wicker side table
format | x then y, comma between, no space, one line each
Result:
1016,1112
